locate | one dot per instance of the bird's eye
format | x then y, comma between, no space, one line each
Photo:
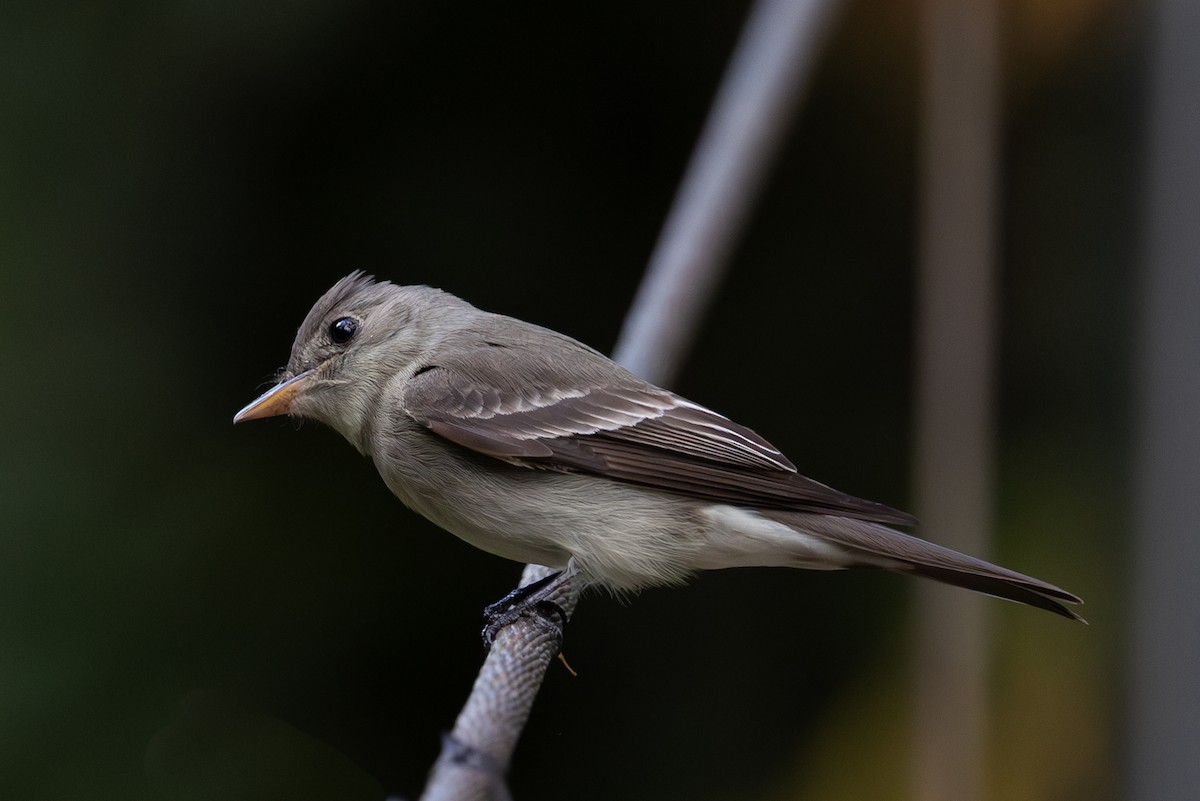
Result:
342,330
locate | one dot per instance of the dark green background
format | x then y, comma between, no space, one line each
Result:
189,610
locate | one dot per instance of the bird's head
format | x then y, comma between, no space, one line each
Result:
358,337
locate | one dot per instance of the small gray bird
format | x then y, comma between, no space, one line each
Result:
535,447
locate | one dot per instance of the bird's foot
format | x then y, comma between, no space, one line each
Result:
532,601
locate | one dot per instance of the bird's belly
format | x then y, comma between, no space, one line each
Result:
618,534
508,521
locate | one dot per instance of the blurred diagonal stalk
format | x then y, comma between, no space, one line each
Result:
740,139
954,383
749,117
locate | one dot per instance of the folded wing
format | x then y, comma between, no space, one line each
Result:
527,411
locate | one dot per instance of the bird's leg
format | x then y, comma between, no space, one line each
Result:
532,600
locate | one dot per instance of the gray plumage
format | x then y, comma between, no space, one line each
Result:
535,447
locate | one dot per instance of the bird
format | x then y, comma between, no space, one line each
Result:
535,447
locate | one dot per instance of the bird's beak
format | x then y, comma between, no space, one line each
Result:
275,401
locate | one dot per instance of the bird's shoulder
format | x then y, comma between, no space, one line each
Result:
517,391
504,365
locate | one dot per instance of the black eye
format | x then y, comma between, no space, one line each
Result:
342,330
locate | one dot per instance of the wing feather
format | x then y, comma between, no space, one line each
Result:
520,407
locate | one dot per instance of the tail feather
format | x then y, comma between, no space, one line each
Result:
1001,588
882,547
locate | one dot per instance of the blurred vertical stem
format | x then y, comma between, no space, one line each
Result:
1164,730
741,137
954,382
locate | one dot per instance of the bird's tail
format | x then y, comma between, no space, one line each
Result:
868,544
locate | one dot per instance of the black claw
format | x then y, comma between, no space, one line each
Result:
527,601
519,595
548,610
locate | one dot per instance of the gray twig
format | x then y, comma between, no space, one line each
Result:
475,755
